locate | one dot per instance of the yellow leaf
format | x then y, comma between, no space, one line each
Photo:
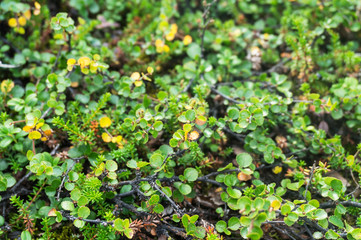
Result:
12,22
7,86
118,139
138,83
187,40
135,76
105,122
27,128
27,14
34,135
22,21
166,48
158,43
39,125
106,138
84,62
37,5
150,70
48,132
170,36
277,170
159,49
71,61
276,204
43,139
20,30
174,28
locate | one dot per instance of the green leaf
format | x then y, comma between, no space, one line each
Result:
6,142
221,226
67,205
154,199
194,50
190,115
330,234
185,189
320,214
25,235
158,208
190,174
156,160
234,193
83,212
158,126
336,221
79,223
230,180
356,233
336,184
244,160
132,164
233,113
291,219
111,165
234,223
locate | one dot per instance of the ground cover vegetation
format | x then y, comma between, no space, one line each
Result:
165,119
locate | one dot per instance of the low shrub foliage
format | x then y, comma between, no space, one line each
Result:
176,119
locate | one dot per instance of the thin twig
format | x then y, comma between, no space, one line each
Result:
310,180
57,59
20,181
175,206
75,160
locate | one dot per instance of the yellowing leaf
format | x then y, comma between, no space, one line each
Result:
34,135
135,76
106,138
27,128
43,139
150,70
118,139
52,212
12,22
48,132
276,204
193,135
243,177
170,36
27,14
96,57
39,125
158,43
138,83
71,61
36,12
84,62
105,122
277,170
37,5
22,21
166,48
159,49
187,40
7,86
174,28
